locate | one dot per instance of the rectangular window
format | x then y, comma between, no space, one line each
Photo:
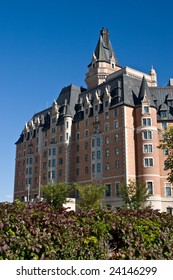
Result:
163,114
54,151
168,189
116,124
106,115
147,148
147,135
77,136
93,168
86,170
164,125
108,190
149,186
116,137
98,155
165,152
77,172
107,153
107,166
146,121
86,157
117,164
53,174
106,127
106,103
116,151
146,109
86,122
93,155
117,189
98,167
53,163
98,142
86,133
93,142
148,162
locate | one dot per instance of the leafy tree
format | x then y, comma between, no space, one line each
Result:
90,196
134,194
167,143
56,193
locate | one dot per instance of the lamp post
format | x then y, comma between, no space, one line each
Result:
29,187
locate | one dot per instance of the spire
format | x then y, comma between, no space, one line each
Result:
144,93
103,63
104,50
153,77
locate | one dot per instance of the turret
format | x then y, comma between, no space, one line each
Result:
103,63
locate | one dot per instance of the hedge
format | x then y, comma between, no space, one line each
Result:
39,231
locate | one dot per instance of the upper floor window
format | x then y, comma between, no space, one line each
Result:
148,162
147,134
146,109
106,115
106,127
98,167
106,104
164,125
107,140
98,142
147,148
146,121
163,114
77,136
116,124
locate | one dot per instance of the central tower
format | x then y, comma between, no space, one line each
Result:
103,63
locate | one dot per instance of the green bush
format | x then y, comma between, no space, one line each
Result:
39,231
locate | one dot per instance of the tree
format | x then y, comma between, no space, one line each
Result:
56,193
90,196
167,143
134,194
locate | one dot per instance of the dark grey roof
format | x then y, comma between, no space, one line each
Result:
104,50
163,97
69,95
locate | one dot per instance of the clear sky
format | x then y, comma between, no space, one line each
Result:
47,44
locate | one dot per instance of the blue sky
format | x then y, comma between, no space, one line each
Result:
47,44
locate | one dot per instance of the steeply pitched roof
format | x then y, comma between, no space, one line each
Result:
145,93
104,50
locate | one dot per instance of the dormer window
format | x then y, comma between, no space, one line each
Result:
96,108
163,114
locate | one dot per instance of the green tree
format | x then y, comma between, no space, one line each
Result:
134,194
167,143
56,194
90,196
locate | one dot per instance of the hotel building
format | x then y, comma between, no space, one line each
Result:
107,133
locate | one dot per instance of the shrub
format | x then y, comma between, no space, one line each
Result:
40,231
